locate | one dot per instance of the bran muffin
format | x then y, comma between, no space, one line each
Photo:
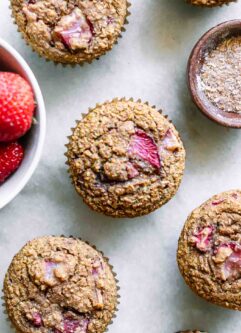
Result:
210,3
209,250
125,158
70,31
60,285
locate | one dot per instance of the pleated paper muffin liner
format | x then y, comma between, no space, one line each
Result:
82,63
107,261
229,2
121,99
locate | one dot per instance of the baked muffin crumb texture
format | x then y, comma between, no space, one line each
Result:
60,285
125,158
70,32
209,251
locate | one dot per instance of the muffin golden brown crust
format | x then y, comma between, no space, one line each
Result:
209,250
125,158
210,3
70,32
60,285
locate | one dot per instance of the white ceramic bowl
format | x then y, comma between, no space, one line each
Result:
11,61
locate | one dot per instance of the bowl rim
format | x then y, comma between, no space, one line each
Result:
204,105
42,123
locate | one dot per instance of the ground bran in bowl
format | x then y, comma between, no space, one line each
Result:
214,74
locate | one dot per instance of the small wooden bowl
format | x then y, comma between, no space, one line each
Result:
208,42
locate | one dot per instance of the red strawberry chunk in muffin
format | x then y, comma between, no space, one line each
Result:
145,147
131,171
110,20
202,238
97,268
217,202
228,255
170,142
37,319
49,269
74,30
97,272
71,325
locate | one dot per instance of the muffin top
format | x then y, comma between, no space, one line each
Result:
59,285
209,252
125,158
70,31
210,3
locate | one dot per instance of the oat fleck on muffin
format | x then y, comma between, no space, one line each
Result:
210,3
70,32
209,250
59,285
125,158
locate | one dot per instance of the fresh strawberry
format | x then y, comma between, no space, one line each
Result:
11,155
16,106
145,147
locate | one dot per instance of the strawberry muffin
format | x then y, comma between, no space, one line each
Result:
125,158
209,250
210,3
70,32
60,285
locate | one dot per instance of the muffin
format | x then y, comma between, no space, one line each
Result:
125,158
210,3
70,32
209,250
59,285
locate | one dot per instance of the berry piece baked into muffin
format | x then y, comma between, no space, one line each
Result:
125,158
70,32
210,3
60,285
209,250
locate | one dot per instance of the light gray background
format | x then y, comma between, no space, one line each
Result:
149,63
